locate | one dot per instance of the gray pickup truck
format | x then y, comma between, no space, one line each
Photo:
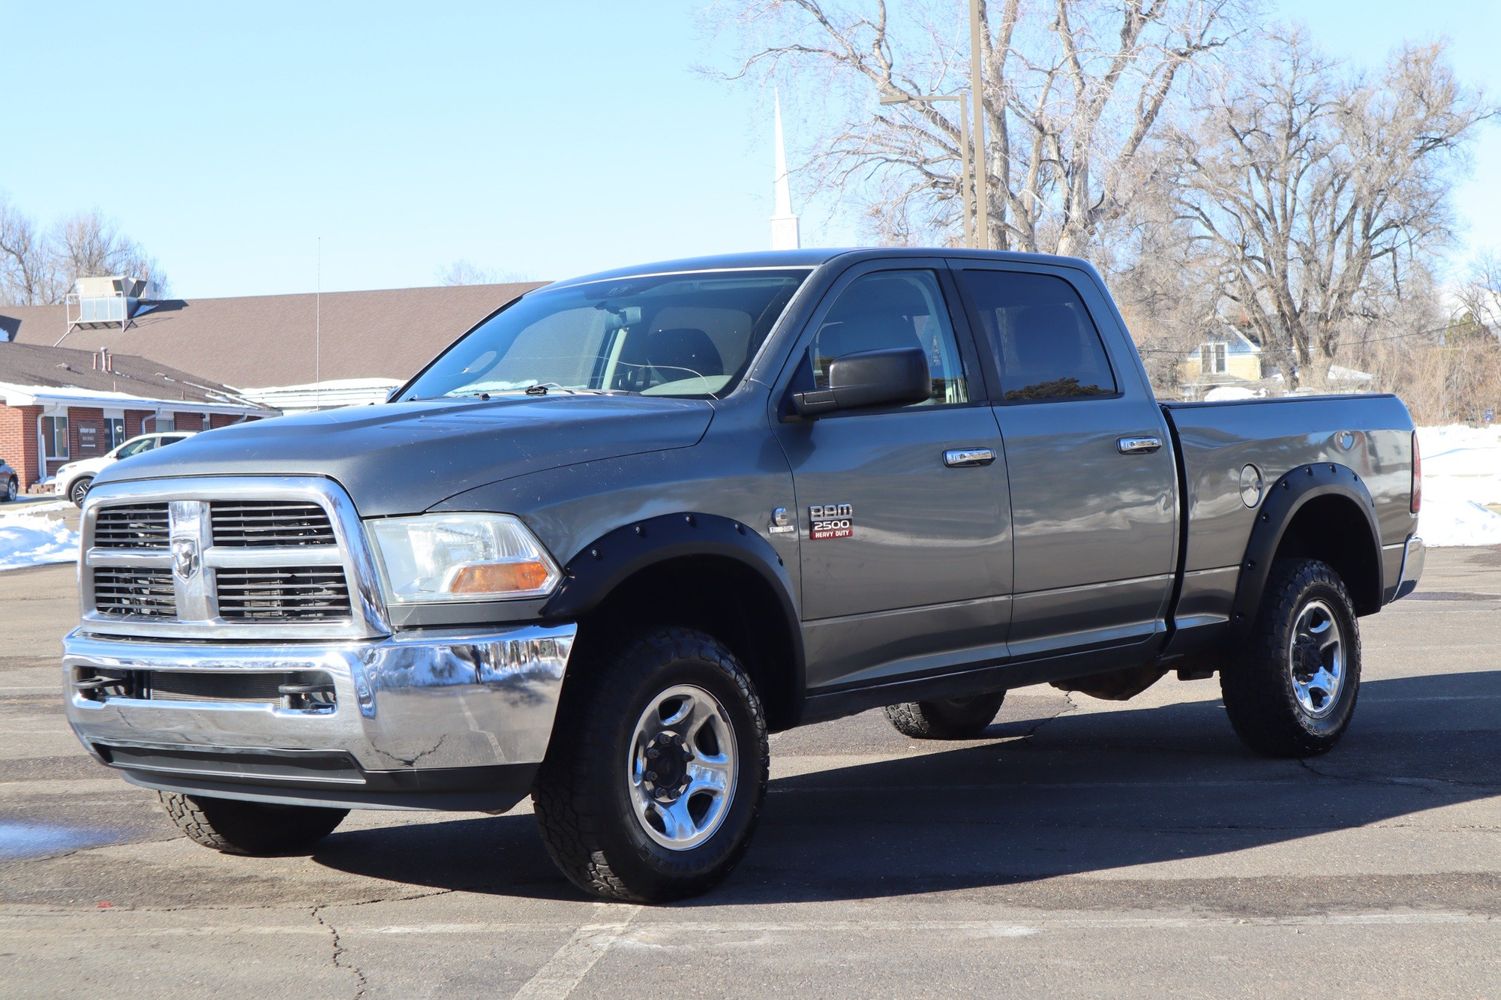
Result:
634,522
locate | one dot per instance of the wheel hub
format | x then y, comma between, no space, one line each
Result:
680,768
666,776
1316,659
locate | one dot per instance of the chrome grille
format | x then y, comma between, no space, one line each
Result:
297,593
134,591
270,523
228,557
133,526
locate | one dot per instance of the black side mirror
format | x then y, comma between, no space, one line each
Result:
891,377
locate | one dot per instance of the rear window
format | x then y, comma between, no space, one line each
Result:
1042,336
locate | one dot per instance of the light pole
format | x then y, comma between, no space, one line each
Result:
982,165
896,97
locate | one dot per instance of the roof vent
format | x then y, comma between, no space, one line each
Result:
101,302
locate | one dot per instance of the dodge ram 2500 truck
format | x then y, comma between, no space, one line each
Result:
631,523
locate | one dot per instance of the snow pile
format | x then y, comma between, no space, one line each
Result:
1461,475
31,538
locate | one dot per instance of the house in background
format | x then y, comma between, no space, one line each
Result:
1226,357
58,404
286,352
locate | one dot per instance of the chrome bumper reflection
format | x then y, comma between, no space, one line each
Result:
1413,556
415,700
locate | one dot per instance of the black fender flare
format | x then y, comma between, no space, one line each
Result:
594,572
1283,500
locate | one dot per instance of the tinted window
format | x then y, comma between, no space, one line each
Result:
1047,345
893,309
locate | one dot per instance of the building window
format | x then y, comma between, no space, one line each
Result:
114,432
1212,359
163,422
55,437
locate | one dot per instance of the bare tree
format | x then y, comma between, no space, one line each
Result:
1323,196
1073,93
88,244
465,272
38,268
27,272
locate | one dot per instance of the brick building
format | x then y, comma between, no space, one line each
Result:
59,404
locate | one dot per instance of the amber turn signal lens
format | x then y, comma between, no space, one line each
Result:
498,578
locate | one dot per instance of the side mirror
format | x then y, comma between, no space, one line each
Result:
891,377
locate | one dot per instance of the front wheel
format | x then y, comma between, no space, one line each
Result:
657,768
80,489
12,489
236,827
1291,692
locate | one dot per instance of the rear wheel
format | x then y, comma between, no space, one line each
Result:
236,827
946,718
12,488
1292,691
80,489
655,775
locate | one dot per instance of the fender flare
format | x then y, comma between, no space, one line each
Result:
1283,500
594,572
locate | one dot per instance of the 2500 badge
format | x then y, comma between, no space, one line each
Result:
831,520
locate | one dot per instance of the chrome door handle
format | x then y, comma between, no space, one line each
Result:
1138,445
963,458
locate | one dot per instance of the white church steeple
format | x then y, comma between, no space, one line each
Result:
784,234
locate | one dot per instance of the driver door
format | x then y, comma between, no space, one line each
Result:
903,512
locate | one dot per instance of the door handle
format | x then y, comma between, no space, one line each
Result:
964,458
1138,445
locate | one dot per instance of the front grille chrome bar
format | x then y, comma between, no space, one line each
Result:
327,574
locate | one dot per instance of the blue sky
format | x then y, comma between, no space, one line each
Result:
538,140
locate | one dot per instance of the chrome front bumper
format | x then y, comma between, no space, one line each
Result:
408,713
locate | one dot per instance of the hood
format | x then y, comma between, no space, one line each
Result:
401,458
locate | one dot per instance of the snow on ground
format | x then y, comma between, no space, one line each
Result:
1461,475
29,537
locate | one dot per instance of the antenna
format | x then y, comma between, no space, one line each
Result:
318,325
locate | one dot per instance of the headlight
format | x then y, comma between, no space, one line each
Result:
460,557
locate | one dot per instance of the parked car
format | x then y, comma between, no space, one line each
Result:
632,523
10,483
74,479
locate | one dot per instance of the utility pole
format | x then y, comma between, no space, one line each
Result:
977,94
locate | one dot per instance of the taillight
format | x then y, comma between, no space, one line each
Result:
1417,474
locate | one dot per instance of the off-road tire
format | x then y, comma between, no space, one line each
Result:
1257,686
79,490
582,796
236,827
946,719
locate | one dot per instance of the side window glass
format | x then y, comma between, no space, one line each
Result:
893,309
1042,335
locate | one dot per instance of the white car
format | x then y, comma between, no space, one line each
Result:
74,479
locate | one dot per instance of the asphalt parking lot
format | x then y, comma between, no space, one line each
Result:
1083,849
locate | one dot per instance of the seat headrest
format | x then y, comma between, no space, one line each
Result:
683,352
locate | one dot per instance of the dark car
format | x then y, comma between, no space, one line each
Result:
10,483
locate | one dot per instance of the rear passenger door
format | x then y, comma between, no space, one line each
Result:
917,563
1093,483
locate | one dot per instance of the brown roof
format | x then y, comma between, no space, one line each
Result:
66,368
268,340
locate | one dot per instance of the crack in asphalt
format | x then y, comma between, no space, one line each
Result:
1434,786
339,953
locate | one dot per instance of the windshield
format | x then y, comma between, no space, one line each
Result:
663,335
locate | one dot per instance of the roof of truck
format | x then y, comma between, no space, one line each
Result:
808,258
